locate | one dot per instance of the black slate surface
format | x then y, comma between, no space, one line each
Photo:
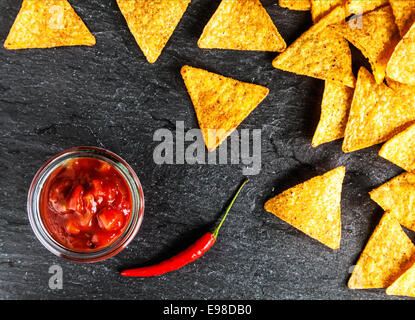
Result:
109,96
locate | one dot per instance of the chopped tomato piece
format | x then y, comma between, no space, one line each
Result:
57,196
90,205
110,219
75,202
71,227
111,191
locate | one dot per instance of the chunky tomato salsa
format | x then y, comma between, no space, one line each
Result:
85,204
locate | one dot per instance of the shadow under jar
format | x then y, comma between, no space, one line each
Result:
85,204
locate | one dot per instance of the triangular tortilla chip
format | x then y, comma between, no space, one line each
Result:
398,196
387,254
47,24
362,6
313,207
300,5
320,52
221,103
404,285
404,12
152,22
335,108
375,34
400,150
241,25
376,114
401,66
320,8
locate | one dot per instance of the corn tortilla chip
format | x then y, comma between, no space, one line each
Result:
405,93
404,12
300,5
221,103
376,114
241,25
320,52
362,6
313,207
320,8
152,22
388,253
335,108
400,150
47,24
401,66
375,34
404,285
398,196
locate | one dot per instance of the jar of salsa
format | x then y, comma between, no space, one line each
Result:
85,204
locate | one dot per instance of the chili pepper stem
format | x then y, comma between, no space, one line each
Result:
216,231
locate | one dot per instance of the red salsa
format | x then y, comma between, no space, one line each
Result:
85,204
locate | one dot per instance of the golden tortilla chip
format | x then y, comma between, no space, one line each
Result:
241,25
400,150
362,6
152,22
404,92
398,196
404,12
221,103
320,8
376,114
335,108
313,207
300,5
401,66
387,254
47,24
404,285
320,52
375,34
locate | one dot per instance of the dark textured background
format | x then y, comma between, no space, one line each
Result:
109,96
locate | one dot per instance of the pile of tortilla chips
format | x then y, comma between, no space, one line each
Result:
378,107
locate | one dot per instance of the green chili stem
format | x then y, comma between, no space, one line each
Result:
216,231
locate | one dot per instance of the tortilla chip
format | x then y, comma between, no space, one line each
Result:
376,114
388,253
400,150
47,24
300,5
401,66
362,6
221,103
335,108
152,22
404,92
376,35
398,196
313,207
320,8
404,12
404,285
241,25
320,52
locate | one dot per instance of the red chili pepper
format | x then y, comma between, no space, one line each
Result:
192,253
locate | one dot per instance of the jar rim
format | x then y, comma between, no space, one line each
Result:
122,240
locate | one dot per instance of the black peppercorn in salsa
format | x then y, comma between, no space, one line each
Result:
85,204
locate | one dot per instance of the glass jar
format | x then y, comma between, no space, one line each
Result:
38,225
